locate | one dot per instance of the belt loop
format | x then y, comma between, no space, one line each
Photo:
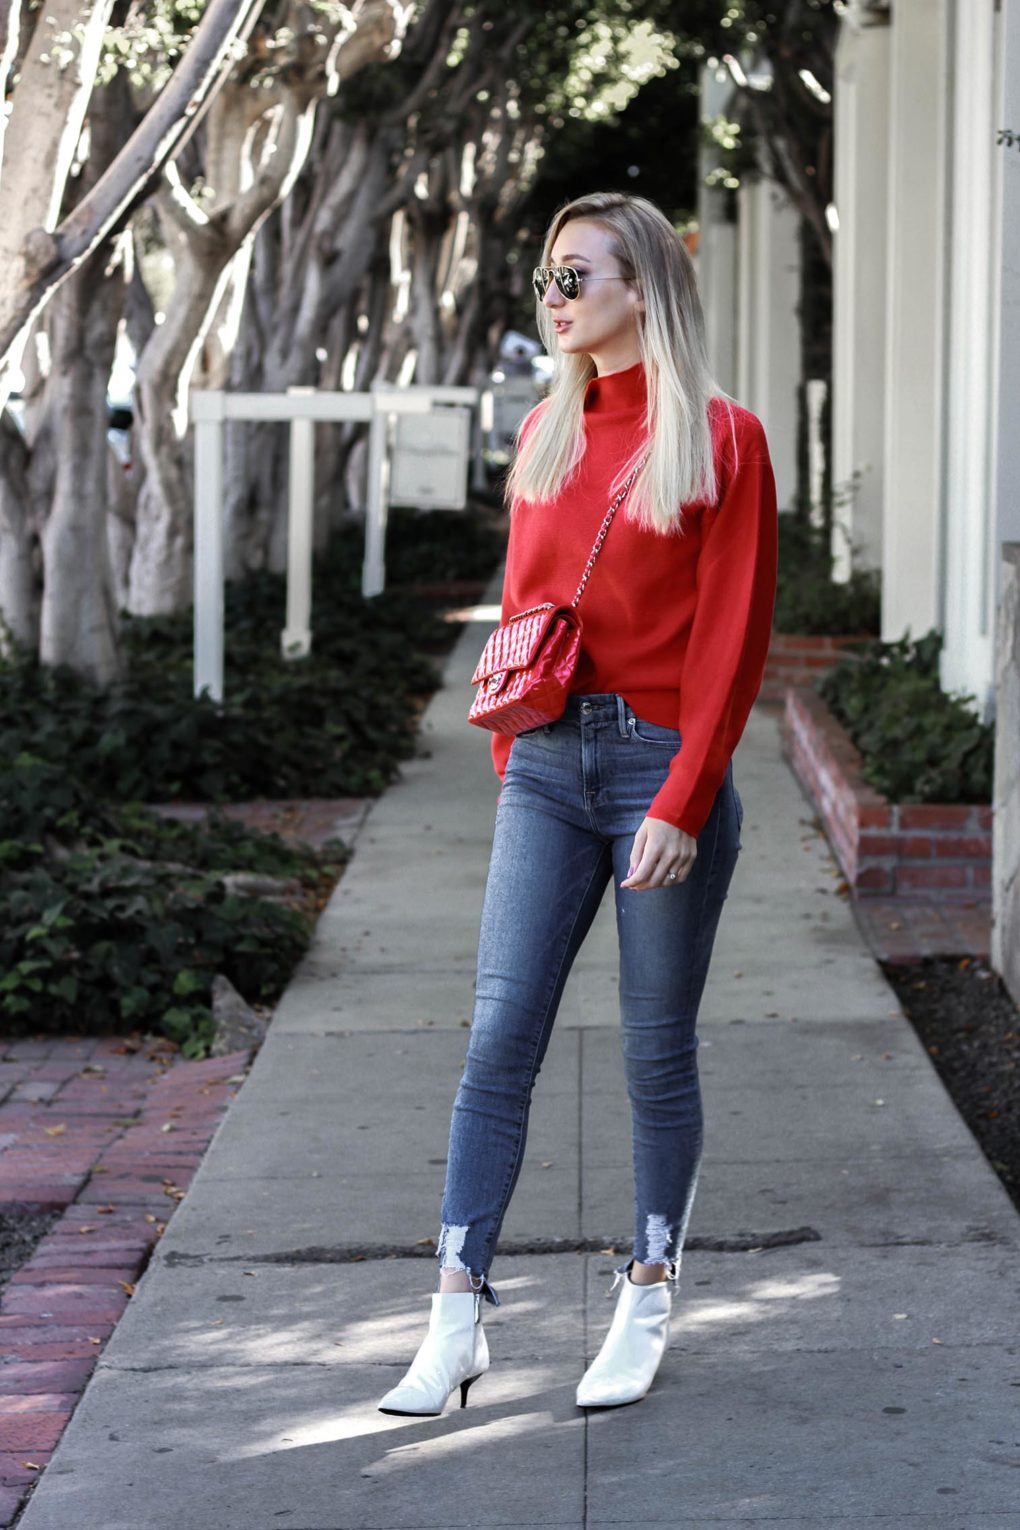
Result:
621,713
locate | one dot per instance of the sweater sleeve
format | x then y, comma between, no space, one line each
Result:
724,664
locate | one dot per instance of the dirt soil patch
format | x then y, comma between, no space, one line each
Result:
20,1231
970,1028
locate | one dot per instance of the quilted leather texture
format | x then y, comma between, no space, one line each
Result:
525,670
515,643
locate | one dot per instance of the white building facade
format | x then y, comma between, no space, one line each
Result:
926,321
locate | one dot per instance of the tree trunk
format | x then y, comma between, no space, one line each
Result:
307,274
79,610
258,142
19,548
47,112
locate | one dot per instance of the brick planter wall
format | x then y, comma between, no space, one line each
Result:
795,659
938,850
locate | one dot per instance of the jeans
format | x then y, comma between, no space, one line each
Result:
574,795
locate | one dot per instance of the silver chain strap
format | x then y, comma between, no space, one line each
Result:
603,529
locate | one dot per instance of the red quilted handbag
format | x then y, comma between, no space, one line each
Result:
524,673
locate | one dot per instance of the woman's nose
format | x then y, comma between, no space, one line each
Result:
553,296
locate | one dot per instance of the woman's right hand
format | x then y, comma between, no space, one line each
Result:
659,848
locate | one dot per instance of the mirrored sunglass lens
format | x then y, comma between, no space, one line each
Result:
566,281
540,281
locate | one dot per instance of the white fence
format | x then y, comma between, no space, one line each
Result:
301,408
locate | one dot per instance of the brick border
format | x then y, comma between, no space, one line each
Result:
125,1144
942,851
796,658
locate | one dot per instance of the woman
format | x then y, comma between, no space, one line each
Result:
633,783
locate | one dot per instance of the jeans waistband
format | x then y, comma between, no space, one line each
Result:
600,707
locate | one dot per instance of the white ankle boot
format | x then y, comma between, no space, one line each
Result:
454,1352
625,1366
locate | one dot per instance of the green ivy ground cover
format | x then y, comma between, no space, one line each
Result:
112,918
918,743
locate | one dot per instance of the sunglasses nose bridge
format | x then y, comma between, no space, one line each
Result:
551,290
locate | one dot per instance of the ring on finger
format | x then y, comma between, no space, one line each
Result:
671,876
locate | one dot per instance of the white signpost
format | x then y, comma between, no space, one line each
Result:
428,467
301,408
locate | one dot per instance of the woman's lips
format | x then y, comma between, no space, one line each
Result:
561,324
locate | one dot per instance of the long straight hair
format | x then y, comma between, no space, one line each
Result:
671,336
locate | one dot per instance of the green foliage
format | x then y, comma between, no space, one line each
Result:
335,724
918,744
808,599
112,917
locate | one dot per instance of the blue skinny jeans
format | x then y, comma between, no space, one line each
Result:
574,795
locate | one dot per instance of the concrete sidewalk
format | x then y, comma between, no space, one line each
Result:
844,1342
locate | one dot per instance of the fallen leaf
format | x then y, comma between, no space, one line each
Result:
86,1228
104,1209
55,1131
95,1341
149,1217
548,1163
33,1466
168,1126
128,1286
425,1242
936,1341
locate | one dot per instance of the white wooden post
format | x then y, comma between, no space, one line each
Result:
913,555
373,570
296,638
299,407
208,415
859,312
479,477
971,572
816,389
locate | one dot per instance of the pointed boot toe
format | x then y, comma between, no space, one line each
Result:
625,1366
453,1353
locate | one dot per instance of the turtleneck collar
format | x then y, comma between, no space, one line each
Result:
617,392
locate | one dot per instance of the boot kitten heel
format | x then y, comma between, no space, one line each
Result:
454,1353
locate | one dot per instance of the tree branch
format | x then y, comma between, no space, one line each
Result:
158,137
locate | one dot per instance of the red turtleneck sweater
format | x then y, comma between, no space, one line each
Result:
678,625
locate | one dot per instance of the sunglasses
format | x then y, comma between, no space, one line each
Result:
568,281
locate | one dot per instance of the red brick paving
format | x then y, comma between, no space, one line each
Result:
134,1123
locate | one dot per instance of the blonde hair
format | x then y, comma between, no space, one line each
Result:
671,336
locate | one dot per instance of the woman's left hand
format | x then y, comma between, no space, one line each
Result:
658,849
